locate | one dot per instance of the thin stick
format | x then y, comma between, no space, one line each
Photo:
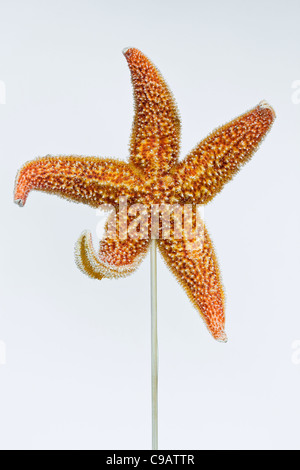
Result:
154,348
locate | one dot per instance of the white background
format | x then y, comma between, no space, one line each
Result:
77,372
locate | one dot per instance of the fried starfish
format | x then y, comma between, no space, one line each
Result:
154,177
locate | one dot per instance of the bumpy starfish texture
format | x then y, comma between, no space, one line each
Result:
152,178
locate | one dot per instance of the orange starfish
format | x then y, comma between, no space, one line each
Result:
153,177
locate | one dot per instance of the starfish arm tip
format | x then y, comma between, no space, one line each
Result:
126,50
20,195
222,337
265,105
19,202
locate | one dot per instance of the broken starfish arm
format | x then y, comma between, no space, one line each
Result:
116,257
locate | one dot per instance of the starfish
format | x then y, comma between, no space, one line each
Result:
154,177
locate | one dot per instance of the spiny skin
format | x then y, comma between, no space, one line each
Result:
155,139
198,272
216,159
152,177
116,257
90,180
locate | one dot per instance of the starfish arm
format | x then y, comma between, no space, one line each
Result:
117,257
214,162
155,138
193,261
89,180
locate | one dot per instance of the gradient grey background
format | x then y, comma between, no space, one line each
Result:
77,374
